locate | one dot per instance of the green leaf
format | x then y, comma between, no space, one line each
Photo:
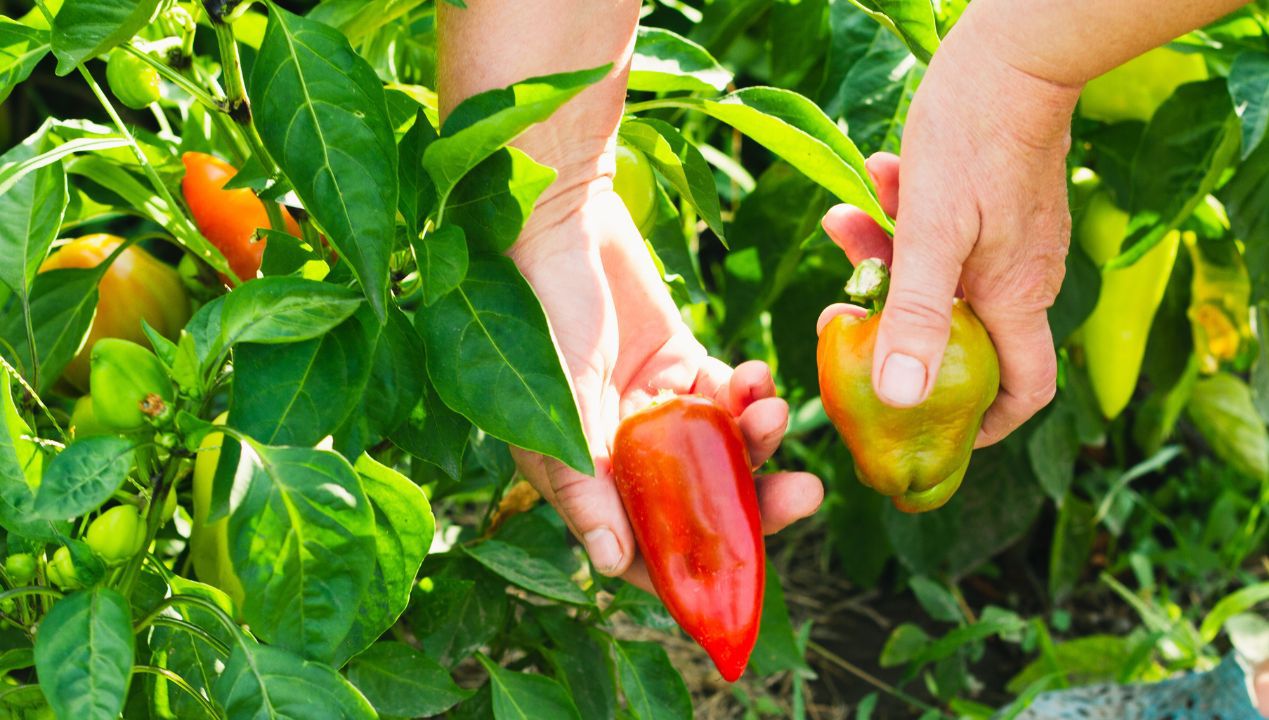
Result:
1072,544
493,201
581,660
21,49
492,358
417,199
667,62
21,467
269,682
679,162
62,306
533,574
322,114
777,647
435,434
935,599
872,78
912,20
1052,449
189,656
1187,146
401,681
520,696
442,260
31,212
83,29
404,527
904,645
484,123
1078,296
302,541
83,476
298,393
397,383
83,654
652,686
458,610
1082,661
641,606
798,132
1222,408
283,310
1246,198
1249,89
1240,601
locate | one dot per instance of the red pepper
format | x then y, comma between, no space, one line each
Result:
684,476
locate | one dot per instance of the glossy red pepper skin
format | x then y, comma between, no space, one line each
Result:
683,473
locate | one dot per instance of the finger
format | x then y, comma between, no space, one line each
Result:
883,168
930,247
763,424
712,379
1028,373
786,497
857,234
836,309
750,382
637,575
1261,681
589,505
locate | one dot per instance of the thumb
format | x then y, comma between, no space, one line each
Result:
917,319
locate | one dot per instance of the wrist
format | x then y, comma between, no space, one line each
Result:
1015,95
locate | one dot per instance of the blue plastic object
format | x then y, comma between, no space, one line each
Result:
1220,693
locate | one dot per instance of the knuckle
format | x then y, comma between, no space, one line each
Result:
919,312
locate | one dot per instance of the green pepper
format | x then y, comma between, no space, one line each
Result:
1114,335
917,456
132,80
61,570
1220,305
84,422
129,385
117,534
20,567
635,183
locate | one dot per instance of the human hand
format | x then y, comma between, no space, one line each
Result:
982,207
623,341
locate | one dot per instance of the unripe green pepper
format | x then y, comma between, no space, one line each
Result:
20,567
128,383
61,570
132,80
84,422
117,534
635,183
917,456
209,541
1115,334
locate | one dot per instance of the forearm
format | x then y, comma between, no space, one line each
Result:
1069,42
494,43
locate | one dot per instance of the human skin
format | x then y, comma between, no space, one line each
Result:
982,206
621,336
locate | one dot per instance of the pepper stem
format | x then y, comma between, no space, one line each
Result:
869,284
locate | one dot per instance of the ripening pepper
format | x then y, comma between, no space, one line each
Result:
683,473
917,456
129,384
136,287
1220,304
1115,334
229,219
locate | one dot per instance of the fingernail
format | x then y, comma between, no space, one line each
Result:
902,380
603,549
